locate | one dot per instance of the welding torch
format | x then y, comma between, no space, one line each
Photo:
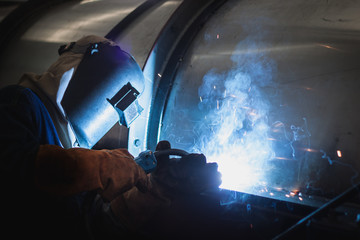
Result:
148,159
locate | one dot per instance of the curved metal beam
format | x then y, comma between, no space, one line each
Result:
20,19
170,48
129,19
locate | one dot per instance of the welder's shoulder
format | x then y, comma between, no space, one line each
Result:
13,94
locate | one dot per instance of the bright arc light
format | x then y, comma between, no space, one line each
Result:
238,139
237,176
241,164
235,129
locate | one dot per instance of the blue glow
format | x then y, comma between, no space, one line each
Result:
235,131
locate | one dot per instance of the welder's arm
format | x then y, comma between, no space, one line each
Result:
71,171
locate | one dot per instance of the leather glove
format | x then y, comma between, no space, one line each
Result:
70,171
189,175
169,182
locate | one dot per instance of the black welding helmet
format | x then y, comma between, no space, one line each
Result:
102,91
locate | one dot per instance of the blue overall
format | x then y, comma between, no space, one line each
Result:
25,124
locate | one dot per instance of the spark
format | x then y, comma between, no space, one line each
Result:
339,153
328,47
241,157
159,74
287,195
201,100
278,124
300,198
282,158
253,113
310,150
217,36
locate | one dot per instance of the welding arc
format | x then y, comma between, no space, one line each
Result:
169,152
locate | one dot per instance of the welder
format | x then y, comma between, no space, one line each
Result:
54,185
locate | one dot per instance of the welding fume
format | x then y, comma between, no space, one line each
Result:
55,185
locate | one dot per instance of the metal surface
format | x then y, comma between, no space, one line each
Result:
302,60
6,8
160,66
347,195
139,31
35,30
131,18
140,37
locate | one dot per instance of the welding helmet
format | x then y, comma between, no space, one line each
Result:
102,91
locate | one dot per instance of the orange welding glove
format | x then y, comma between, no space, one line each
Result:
70,171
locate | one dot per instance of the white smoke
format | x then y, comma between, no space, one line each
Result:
235,130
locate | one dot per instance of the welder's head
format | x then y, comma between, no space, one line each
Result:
103,89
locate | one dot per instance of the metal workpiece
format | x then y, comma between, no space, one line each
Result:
276,86
123,25
161,65
197,13
324,209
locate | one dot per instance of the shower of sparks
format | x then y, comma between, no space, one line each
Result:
237,135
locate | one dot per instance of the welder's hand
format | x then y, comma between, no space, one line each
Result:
71,171
169,183
119,173
190,174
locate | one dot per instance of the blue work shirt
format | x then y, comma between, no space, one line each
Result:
25,124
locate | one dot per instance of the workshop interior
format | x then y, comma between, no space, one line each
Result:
267,89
